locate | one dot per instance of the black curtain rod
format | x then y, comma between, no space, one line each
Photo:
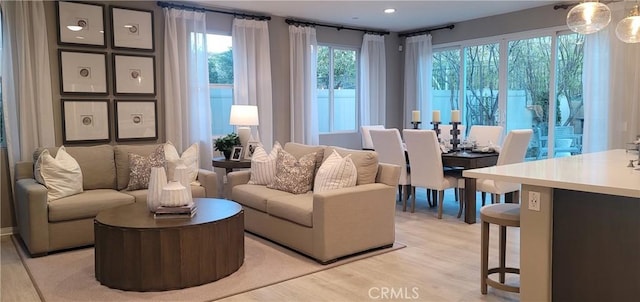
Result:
425,31
235,14
338,27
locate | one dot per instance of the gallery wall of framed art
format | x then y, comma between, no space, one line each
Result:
107,72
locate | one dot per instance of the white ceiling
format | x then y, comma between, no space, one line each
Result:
409,15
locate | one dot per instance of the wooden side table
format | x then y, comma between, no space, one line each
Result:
229,165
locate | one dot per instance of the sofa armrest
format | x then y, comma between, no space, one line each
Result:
388,174
32,215
353,219
209,180
238,178
24,169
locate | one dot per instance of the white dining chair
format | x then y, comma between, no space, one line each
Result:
513,151
367,144
425,159
388,144
486,135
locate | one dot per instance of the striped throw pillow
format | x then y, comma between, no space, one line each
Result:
263,165
336,172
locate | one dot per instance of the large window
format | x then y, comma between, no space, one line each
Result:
517,82
337,89
219,49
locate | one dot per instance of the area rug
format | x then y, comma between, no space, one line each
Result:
70,276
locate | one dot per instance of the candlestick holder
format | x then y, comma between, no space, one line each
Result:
435,128
455,132
416,125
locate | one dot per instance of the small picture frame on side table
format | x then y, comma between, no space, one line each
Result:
80,24
236,153
83,72
132,29
251,147
85,121
134,75
136,120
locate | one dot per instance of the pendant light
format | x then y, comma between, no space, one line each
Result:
588,17
628,29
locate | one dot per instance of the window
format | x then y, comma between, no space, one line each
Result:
337,89
509,81
220,53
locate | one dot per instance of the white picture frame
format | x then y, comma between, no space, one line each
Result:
80,24
136,120
132,29
251,148
83,72
134,75
236,153
85,121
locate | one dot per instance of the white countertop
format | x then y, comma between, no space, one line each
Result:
601,172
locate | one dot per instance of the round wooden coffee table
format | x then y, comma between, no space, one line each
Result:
134,251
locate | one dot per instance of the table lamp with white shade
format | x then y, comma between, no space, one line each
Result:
244,116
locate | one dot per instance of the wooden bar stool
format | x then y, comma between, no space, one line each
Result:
504,215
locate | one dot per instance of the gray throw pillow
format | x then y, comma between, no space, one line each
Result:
141,168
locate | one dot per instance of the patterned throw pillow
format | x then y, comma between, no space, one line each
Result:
141,168
336,172
294,176
263,165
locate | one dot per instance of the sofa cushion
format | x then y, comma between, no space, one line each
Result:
336,172
96,162
121,155
86,204
366,163
255,196
189,158
263,165
61,175
296,208
140,167
294,175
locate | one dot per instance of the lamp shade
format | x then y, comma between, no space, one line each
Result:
628,29
588,17
244,115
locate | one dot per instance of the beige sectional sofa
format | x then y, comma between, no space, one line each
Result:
68,222
327,225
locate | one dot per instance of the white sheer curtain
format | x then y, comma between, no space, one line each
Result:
252,72
417,77
186,77
373,80
303,48
26,80
611,92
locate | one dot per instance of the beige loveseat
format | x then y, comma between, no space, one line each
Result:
327,225
68,222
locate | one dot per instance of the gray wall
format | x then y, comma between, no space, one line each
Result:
279,42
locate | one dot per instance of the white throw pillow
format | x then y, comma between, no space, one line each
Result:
335,172
61,175
263,165
190,158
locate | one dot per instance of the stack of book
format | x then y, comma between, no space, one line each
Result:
175,212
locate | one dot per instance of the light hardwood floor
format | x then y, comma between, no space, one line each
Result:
440,263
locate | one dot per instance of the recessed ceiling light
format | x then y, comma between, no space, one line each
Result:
389,10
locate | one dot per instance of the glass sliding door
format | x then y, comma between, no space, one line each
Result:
446,83
481,80
528,74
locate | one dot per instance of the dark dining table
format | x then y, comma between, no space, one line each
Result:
470,160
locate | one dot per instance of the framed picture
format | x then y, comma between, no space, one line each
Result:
80,24
136,120
251,147
85,121
132,28
134,75
236,153
83,72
